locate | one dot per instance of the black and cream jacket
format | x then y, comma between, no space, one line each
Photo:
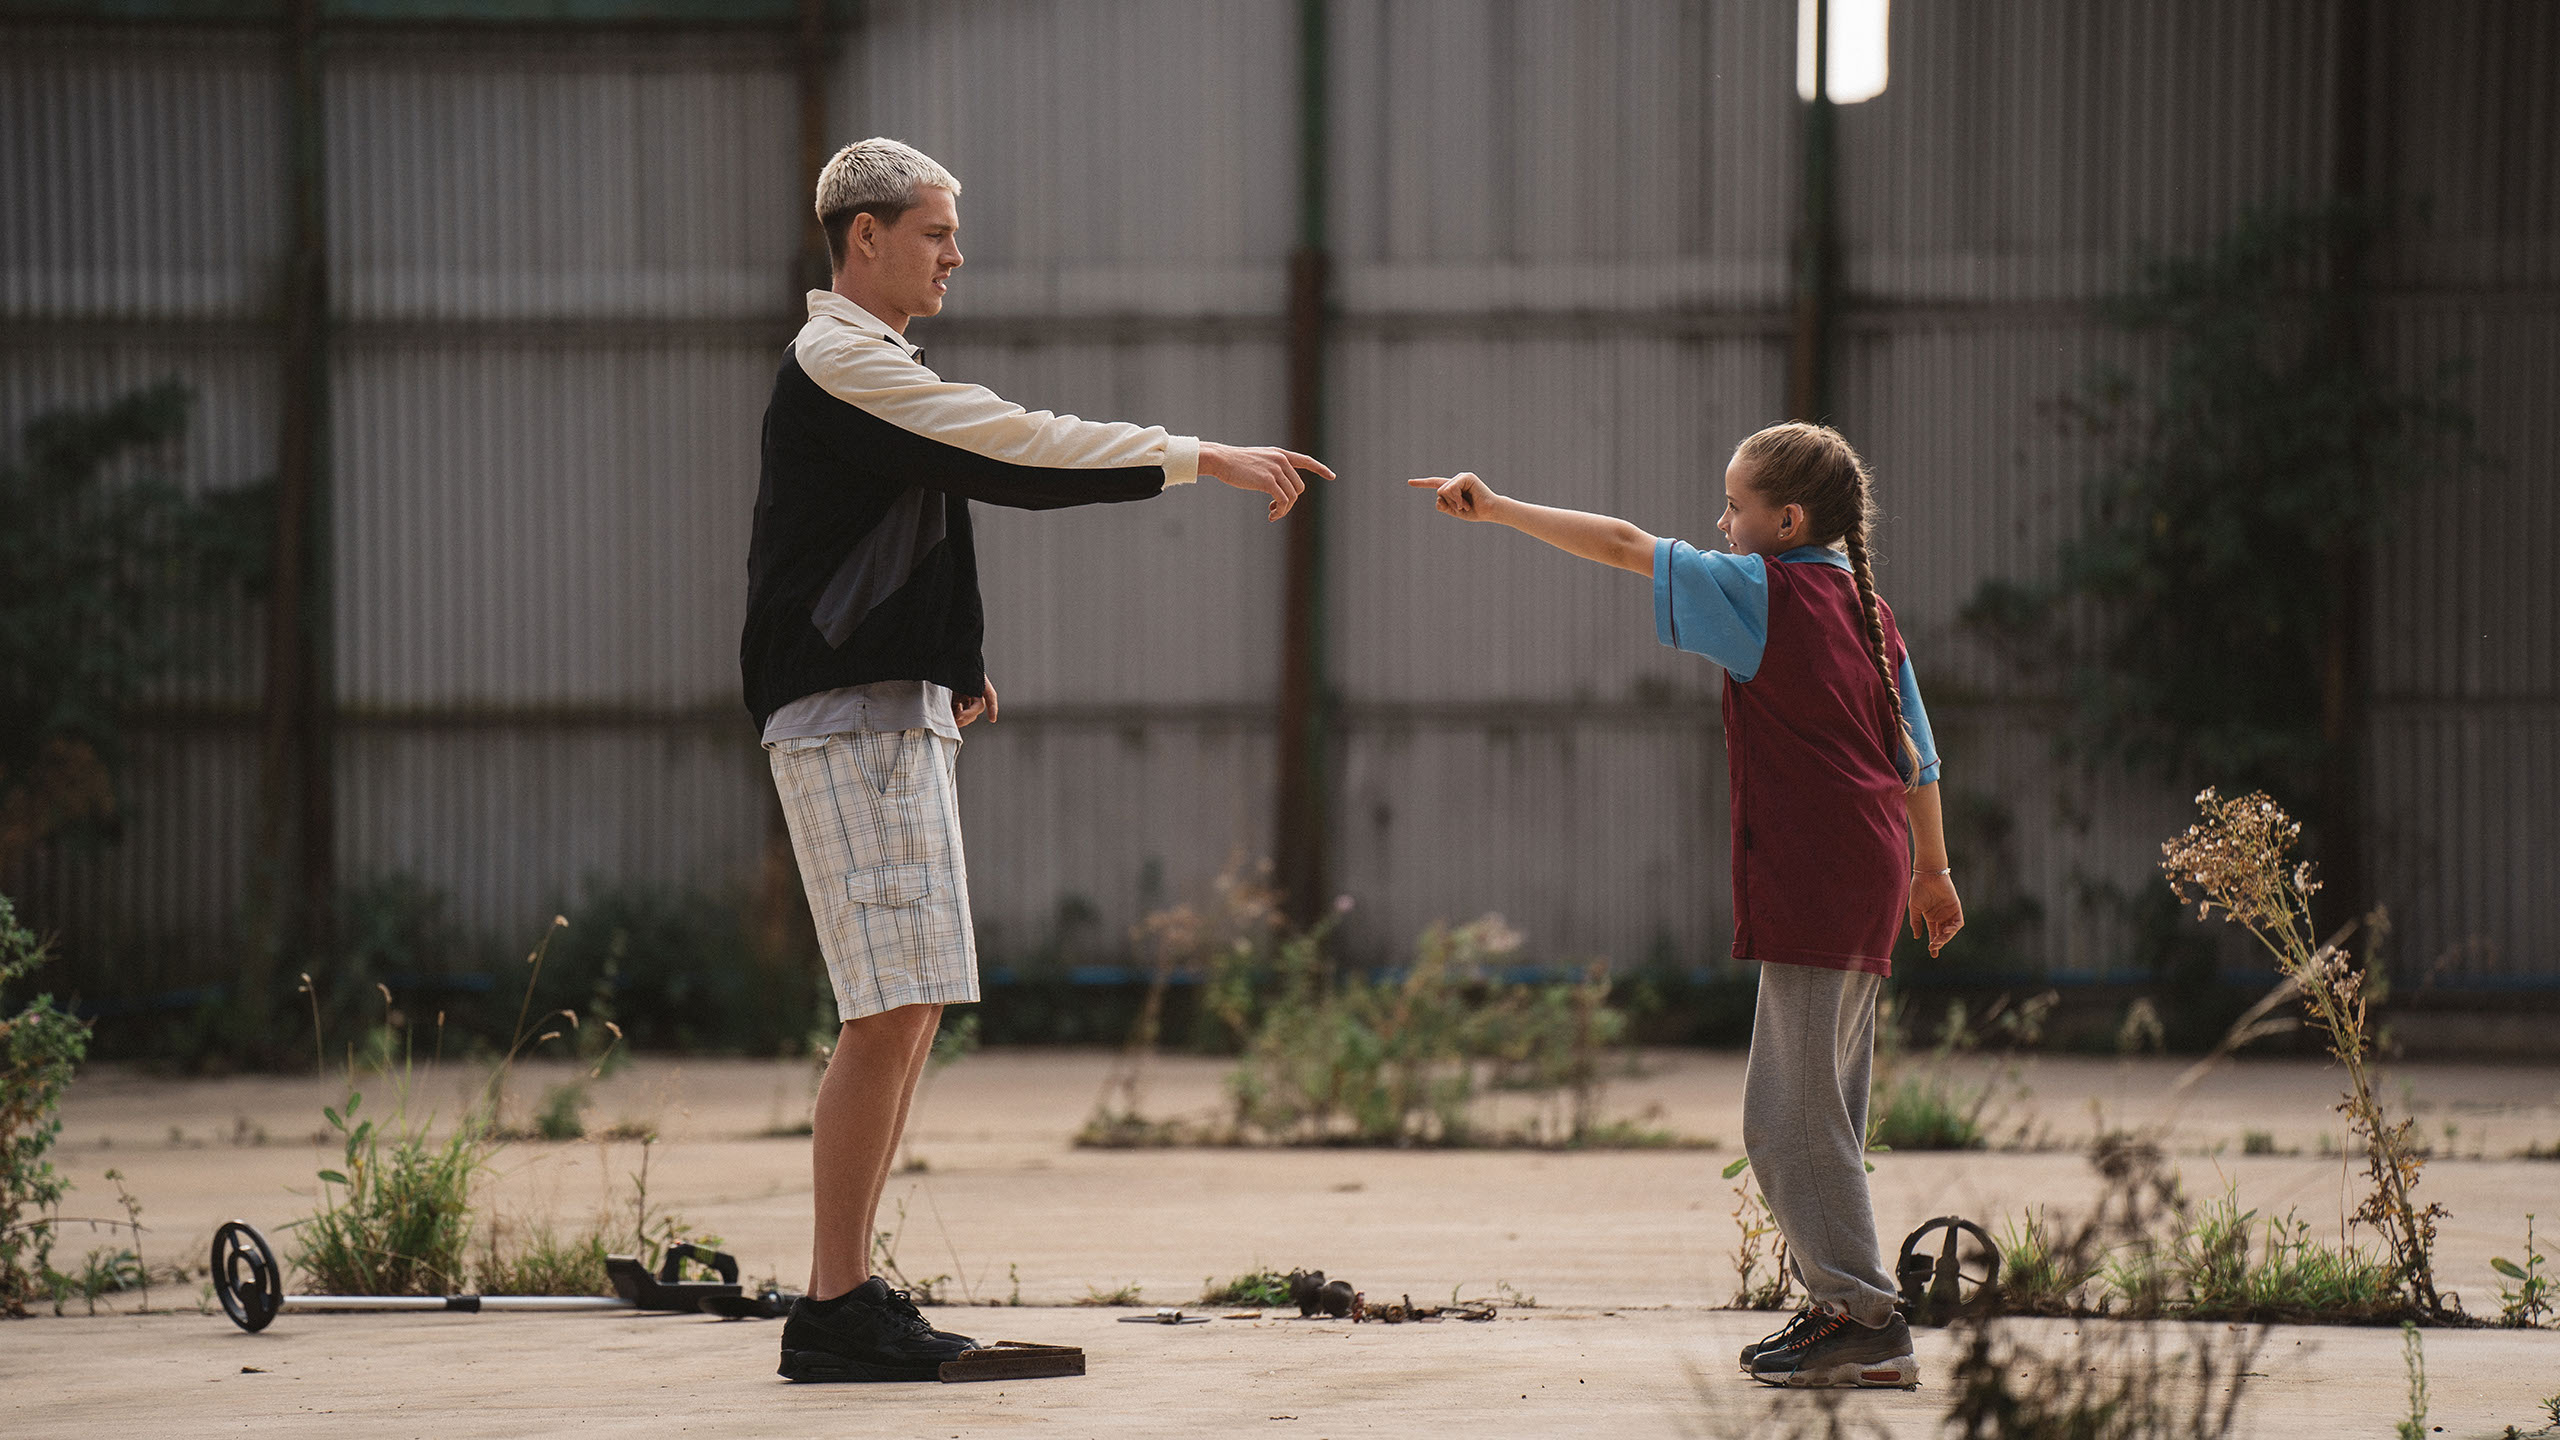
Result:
861,566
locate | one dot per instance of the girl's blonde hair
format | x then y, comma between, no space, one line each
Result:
1813,466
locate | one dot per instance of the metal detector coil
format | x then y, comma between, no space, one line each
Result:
251,1286
1961,1279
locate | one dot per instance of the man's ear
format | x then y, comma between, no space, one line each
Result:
862,236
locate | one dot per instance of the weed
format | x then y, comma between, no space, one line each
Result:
1512,1298
401,1217
884,1260
541,1263
2038,1274
2525,1303
40,1046
102,1272
2413,1355
1931,1108
1095,1295
1260,1288
1386,1060
1760,1241
2234,860
2539,1151
560,1117
2291,1276
2257,1142
1013,1273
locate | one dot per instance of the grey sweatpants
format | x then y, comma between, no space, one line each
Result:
1804,1125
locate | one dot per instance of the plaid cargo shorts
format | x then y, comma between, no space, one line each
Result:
875,823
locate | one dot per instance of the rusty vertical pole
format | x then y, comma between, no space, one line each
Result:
296,831
1304,701
809,65
1818,259
2346,641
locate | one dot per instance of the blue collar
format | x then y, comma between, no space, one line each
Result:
1816,554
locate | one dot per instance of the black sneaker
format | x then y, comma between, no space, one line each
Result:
870,1333
1779,1339
1836,1350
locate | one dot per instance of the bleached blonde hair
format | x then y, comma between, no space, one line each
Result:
878,176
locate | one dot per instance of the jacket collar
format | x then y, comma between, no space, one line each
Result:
835,307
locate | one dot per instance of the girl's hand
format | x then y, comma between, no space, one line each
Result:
1462,495
1936,913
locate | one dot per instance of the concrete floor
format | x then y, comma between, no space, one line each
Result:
1623,1252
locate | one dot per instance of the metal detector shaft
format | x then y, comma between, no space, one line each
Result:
468,1304
251,1286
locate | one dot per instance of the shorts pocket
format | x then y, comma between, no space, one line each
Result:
900,886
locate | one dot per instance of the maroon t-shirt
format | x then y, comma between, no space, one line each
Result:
1821,839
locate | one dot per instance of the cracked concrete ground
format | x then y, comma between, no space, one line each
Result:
1624,1253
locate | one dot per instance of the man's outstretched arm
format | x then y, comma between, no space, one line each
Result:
972,442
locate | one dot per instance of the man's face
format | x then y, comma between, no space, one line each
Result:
912,261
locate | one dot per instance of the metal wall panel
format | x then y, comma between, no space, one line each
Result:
2466,601
2467,804
160,908
1173,600
2471,133
2027,150
1431,611
1977,472
487,185
1122,155
143,178
521,524
1114,817
1599,837
513,822
1486,153
229,442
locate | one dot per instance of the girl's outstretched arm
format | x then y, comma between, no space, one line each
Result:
1604,538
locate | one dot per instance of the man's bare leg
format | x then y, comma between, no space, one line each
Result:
854,1132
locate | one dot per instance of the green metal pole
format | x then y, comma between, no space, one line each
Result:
1304,699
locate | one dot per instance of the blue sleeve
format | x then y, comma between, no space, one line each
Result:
1917,718
1712,603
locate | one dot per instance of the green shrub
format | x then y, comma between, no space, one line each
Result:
40,1047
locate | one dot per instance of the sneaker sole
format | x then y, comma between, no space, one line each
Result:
1900,1373
818,1366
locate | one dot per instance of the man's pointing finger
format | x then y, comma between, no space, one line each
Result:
1307,462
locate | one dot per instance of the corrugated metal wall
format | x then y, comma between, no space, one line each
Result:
1561,231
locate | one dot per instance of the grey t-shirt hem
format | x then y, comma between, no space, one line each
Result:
882,705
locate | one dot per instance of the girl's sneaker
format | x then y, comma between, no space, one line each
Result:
1784,1336
1836,1350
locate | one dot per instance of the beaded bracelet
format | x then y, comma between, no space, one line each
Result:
1948,871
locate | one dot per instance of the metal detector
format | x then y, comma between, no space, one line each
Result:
251,1287
1963,1278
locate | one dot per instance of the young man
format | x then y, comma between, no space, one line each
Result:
862,661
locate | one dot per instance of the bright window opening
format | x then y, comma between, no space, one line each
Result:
1857,58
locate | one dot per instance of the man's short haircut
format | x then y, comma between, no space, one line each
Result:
879,177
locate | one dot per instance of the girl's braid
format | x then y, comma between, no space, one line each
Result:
1871,615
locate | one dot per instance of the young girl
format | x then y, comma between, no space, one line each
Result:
1835,797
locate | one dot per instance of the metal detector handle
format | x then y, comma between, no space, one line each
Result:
671,1269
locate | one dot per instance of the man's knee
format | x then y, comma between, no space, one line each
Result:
904,1022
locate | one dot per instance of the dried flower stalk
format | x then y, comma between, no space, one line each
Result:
2235,860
